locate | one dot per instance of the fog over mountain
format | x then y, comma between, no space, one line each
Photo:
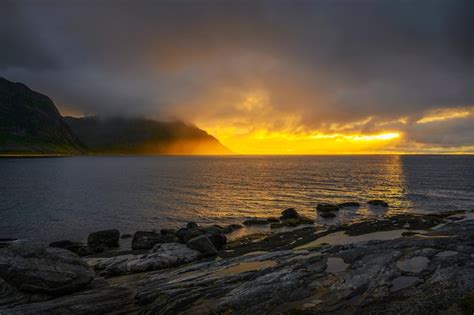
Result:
242,67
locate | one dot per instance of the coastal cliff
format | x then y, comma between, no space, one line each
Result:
31,123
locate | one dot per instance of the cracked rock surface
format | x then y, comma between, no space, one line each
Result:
426,273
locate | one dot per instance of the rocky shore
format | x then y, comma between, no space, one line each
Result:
400,264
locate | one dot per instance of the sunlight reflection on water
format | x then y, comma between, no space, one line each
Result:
56,198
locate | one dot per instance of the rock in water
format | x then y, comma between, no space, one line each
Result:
378,202
289,213
218,240
327,207
47,270
192,234
203,245
101,239
192,225
75,247
146,240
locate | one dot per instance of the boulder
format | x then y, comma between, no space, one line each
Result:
322,207
289,213
327,215
256,222
349,204
203,245
101,239
181,233
192,225
76,247
377,202
168,231
146,240
46,270
218,240
192,234
213,229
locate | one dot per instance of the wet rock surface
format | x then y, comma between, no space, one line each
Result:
76,247
104,239
44,270
146,240
426,273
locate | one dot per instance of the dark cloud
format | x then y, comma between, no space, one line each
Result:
326,61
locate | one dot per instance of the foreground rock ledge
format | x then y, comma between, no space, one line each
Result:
427,273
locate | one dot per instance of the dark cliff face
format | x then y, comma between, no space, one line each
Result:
143,136
31,123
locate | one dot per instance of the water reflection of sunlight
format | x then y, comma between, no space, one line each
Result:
391,186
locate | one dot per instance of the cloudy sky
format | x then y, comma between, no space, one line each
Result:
331,76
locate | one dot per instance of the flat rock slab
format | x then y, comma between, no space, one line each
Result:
403,282
164,255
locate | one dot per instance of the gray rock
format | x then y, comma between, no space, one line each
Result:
213,229
218,240
75,247
203,245
47,270
168,231
181,233
289,213
192,225
162,255
146,240
104,239
110,300
192,234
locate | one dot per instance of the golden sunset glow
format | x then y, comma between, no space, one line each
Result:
445,114
259,127
266,142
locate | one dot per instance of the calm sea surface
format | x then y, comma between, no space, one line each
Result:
46,199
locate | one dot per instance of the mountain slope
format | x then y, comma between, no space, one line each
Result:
31,123
143,136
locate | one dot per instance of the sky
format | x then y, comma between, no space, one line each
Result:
264,77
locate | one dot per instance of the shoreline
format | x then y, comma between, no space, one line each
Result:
151,276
